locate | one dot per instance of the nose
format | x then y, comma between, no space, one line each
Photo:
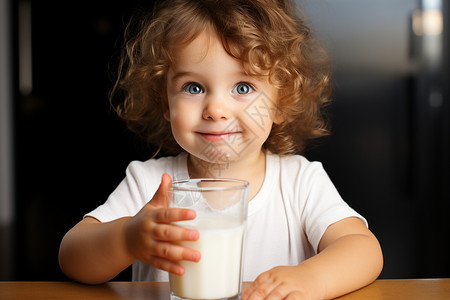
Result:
216,108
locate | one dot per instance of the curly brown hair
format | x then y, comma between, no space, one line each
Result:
267,36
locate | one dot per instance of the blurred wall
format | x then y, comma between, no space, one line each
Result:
6,143
388,154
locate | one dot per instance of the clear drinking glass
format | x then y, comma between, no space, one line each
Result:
221,207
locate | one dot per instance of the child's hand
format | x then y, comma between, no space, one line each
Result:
349,258
284,282
149,236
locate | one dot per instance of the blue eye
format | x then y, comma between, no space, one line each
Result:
193,88
243,88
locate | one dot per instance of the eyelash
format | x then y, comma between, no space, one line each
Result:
249,85
188,85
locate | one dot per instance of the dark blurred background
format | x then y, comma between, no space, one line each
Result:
63,150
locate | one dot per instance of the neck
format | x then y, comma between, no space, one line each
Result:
251,169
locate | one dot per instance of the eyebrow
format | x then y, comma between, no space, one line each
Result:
178,75
181,74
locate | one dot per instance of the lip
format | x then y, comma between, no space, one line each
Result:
217,136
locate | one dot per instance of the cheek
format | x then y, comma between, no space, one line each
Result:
179,114
176,122
182,119
175,112
178,131
259,116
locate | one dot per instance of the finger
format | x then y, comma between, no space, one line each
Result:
259,287
175,252
249,290
280,292
166,265
161,197
170,215
262,291
296,295
163,232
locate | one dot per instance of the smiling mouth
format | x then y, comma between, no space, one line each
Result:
217,136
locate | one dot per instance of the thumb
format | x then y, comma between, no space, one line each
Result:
161,197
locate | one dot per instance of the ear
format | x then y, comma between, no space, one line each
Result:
166,113
279,117
165,109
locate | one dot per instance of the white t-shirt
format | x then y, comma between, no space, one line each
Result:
286,219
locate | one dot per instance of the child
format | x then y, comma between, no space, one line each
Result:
231,88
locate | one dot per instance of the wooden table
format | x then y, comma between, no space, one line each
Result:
411,289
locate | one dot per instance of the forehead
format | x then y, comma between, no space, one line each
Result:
196,49
206,52
209,48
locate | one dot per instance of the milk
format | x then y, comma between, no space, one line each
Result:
217,274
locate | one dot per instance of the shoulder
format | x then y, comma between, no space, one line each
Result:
295,165
154,162
170,164
298,176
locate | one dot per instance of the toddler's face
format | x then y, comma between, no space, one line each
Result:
217,112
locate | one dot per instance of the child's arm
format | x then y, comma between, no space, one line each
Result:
349,258
94,252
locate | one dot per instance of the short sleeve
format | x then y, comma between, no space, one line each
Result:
135,190
321,204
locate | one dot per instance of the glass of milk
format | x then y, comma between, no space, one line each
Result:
221,207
